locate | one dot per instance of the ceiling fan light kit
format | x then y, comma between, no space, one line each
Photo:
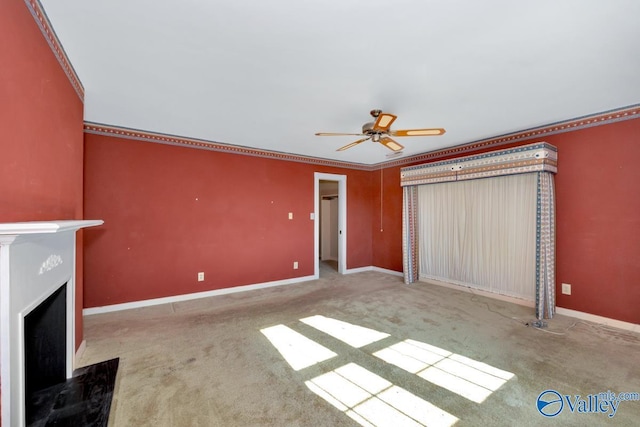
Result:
380,131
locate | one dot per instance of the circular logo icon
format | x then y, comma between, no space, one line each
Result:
550,403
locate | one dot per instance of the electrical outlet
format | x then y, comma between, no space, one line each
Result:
566,289
201,276
295,265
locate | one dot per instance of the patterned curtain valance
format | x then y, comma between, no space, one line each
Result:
538,157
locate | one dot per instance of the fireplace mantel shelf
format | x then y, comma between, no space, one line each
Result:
45,227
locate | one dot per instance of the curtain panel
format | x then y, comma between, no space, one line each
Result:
410,233
540,158
545,247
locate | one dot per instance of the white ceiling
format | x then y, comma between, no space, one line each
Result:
269,74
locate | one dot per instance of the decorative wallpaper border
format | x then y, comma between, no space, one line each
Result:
527,158
39,15
100,129
625,113
597,119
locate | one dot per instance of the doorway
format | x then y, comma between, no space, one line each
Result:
329,223
330,212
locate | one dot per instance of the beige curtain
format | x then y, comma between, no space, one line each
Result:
480,233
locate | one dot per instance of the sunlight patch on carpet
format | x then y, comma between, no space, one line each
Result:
299,351
371,400
354,335
466,377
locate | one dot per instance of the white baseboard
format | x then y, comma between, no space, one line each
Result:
387,271
206,294
493,295
196,295
146,303
559,310
373,268
79,353
633,327
358,270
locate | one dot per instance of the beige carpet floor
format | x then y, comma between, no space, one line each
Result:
209,362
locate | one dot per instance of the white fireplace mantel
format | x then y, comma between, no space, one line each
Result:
36,259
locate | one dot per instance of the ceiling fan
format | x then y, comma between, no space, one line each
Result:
379,131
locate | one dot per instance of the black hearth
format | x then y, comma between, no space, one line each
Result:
51,398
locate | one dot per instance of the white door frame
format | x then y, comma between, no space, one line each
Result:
342,220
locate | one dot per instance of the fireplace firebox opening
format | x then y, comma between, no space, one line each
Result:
45,345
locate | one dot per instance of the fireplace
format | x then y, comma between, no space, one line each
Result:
45,339
37,309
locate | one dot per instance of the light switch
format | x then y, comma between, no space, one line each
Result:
290,215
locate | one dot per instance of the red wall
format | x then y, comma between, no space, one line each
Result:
41,145
598,219
386,227
157,236
171,212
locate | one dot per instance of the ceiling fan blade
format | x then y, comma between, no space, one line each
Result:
418,132
383,122
353,144
390,144
337,134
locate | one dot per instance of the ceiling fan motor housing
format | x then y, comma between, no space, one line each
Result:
367,128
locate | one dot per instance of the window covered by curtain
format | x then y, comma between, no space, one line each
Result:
486,221
480,233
